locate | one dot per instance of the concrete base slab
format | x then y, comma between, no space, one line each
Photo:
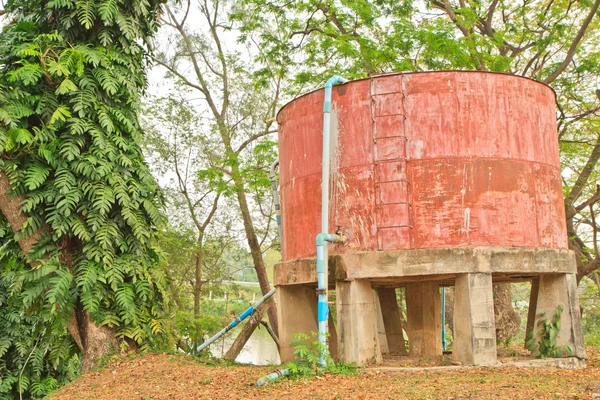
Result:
570,363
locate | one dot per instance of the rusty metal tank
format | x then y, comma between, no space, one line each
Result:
425,160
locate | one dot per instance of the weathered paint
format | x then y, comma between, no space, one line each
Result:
425,160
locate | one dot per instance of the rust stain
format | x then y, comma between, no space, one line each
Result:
425,160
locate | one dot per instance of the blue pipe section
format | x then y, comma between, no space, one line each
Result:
324,236
249,311
444,318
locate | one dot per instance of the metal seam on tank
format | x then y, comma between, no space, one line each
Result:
411,220
515,160
535,206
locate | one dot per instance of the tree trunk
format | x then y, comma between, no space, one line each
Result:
198,283
93,341
249,328
450,309
259,263
507,319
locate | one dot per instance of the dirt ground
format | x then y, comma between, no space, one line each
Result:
161,376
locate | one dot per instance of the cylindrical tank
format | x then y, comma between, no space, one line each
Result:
425,160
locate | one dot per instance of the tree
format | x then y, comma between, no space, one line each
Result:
175,140
555,42
74,186
239,102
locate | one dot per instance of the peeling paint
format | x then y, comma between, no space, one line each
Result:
425,160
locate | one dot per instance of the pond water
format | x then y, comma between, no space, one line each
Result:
259,350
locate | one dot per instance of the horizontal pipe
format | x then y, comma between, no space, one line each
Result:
249,311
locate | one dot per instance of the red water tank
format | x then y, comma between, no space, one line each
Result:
425,160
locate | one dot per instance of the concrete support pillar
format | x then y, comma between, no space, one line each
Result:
392,320
474,325
423,315
561,289
297,313
332,340
532,310
357,323
383,343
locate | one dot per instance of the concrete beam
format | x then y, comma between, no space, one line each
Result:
474,325
422,262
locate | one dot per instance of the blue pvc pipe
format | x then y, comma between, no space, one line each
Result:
249,311
324,236
444,318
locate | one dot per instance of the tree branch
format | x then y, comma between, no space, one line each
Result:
595,230
574,44
253,138
589,202
582,180
179,75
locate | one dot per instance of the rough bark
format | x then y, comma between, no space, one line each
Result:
198,276
249,328
257,258
10,206
450,309
507,319
93,341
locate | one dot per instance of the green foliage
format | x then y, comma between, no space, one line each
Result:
71,74
590,304
193,329
543,342
36,354
307,358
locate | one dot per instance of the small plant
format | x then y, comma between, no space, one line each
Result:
308,355
193,329
544,341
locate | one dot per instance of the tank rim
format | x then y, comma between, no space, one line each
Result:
415,73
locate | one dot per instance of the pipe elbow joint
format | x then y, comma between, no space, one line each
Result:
330,237
334,80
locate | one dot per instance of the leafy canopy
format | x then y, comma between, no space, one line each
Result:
71,76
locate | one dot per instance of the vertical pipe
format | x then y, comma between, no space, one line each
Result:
324,237
444,318
276,201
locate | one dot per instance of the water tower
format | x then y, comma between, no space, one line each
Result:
436,179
